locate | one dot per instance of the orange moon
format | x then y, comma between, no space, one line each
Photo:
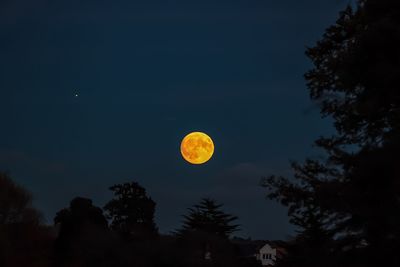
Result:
197,148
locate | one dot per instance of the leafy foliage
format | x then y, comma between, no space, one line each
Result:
15,203
82,233
81,211
131,211
354,194
356,73
23,240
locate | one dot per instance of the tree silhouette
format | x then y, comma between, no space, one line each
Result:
356,189
313,242
82,236
131,211
23,240
208,217
80,212
15,203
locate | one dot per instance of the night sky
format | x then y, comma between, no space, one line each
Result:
147,73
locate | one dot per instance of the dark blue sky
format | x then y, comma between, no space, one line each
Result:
147,73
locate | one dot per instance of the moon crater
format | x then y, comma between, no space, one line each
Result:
197,148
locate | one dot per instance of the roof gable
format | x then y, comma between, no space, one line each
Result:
266,248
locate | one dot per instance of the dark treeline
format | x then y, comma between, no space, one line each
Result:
122,233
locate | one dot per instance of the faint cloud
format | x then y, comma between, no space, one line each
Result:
243,180
14,160
238,188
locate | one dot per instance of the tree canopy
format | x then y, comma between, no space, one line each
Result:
15,203
82,233
22,237
131,211
355,191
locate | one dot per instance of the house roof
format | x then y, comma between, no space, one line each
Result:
248,248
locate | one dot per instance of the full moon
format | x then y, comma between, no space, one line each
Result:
197,148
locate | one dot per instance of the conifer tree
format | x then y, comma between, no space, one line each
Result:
208,217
